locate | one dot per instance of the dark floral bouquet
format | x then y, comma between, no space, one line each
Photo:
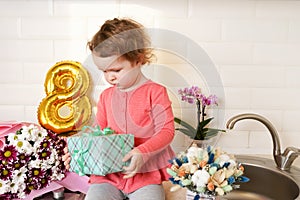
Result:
30,160
206,171
193,95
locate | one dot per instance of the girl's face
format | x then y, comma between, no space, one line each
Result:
118,71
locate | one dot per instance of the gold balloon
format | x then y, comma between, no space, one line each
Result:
66,108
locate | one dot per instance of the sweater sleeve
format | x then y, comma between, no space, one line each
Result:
163,120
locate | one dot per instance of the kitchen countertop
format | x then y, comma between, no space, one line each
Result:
178,195
295,163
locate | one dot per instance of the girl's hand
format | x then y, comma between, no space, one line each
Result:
136,163
66,158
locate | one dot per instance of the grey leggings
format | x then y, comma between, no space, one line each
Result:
106,191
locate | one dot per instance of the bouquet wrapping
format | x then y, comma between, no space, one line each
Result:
30,159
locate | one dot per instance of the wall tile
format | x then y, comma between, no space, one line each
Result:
244,125
290,139
271,98
94,24
11,72
221,9
238,139
188,115
237,97
31,113
53,27
170,42
35,72
252,77
276,54
26,50
229,53
168,57
261,141
151,8
25,8
168,76
292,77
195,29
96,75
71,50
291,120
274,116
21,94
177,143
294,31
85,8
268,98
183,75
255,30
10,27
11,112
278,9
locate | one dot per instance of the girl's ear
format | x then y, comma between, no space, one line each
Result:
140,60
138,63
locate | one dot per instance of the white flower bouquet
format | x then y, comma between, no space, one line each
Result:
30,160
207,172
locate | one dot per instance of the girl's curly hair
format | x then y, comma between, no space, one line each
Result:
124,37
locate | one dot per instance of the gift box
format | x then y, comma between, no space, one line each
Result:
98,151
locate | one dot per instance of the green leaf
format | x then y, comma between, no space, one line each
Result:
205,122
187,132
185,124
211,132
201,133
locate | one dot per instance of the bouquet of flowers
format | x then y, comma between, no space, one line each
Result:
30,160
209,172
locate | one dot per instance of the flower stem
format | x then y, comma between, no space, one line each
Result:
198,132
203,112
198,110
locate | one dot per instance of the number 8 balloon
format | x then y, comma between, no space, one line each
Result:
66,108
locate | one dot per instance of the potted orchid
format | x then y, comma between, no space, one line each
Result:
193,95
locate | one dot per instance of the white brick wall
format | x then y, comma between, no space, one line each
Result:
254,45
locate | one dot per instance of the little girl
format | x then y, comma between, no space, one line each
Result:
135,105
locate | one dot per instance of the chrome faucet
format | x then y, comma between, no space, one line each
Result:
283,160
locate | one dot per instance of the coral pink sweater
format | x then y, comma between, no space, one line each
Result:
147,114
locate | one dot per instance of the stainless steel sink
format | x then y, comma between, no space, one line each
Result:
278,179
266,181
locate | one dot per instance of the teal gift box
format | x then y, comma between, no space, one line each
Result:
98,151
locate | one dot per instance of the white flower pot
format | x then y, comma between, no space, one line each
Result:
205,143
